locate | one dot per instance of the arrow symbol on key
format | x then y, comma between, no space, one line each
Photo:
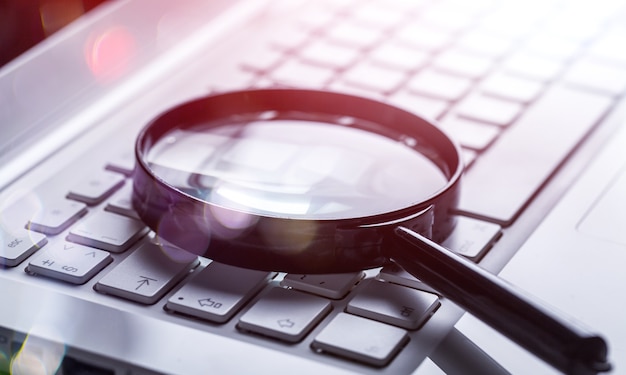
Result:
286,323
145,281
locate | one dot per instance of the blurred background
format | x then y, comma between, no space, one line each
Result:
24,23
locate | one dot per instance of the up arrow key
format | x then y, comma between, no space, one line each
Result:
267,315
286,323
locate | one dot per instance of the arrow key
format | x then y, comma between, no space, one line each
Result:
285,314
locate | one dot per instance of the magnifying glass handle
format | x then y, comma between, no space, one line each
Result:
539,329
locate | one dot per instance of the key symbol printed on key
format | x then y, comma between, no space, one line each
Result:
48,262
406,311
69,269
207,302
144,281
15,242
286,323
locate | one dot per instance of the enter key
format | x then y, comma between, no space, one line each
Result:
500,183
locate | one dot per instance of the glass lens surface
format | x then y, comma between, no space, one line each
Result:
291,168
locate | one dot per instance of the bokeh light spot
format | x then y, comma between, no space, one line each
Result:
109,54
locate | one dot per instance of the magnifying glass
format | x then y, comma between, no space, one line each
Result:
309,182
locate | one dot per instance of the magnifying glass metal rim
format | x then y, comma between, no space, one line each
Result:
315,245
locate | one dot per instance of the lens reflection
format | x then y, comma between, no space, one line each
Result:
293,168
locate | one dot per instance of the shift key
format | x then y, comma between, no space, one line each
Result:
500,182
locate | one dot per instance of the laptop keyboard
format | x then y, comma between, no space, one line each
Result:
496,84
486,84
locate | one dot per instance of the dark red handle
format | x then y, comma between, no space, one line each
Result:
559,342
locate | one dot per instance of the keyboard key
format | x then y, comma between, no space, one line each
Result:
261,59
285,314
376,15
448,16
291,39
97,188
342,87
424,38
608,46
333,286
217,292
484,43
439,85
472,237
123,163
393,304
18,244
56,216
532,66
353,35
507,86
487,109
224,78
108,231
470,134
422,106
552,47
69,262
398,56
393,273
147,273
361,339
316,17
506,20
596,75
568,25
121,202
329,55
296,73
462,64
373,77
503,179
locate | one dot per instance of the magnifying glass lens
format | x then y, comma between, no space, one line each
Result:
287,167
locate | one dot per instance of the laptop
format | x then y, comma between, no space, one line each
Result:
532,91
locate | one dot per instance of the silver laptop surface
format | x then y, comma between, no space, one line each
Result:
532,91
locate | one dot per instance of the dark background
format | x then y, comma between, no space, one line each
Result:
24,23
